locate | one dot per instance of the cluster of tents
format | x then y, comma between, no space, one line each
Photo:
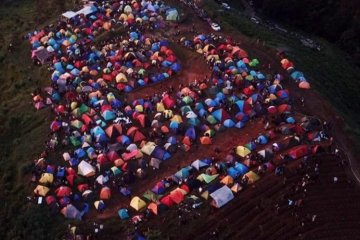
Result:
296,75
111,139
221,180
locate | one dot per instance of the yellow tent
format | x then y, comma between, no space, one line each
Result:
137,203
160,107
228,180
123,17
177,118
208,47
41,190
121,78
148,148
205,195
168,114
139,108
253,177
215,57
46,178
242,151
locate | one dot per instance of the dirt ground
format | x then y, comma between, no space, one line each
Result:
252,215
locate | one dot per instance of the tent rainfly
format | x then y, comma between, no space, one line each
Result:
222,196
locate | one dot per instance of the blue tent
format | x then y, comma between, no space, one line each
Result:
80,153
172,140
175,67
108,115
134,35
290,120
197,164
229,123
262,139
240,124
123,213
241,168
174,125
182,173
190,132
233,172
97,131
240,104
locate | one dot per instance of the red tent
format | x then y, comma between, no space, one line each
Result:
167,201
135,134
63,191
176,196
299,151
168,101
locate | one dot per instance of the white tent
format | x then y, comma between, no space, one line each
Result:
222,196
155,163
87,10
69,14
85,169
101,179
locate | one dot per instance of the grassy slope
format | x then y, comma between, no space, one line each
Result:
329,71
22,130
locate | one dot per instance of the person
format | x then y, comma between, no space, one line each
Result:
335,179
302,100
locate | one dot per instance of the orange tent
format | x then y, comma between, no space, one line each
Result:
153,207
304,85
205,140
105,193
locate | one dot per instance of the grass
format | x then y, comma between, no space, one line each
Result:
329,71
22,129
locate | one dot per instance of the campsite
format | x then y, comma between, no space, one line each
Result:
137,119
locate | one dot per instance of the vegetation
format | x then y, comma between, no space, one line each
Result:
23,130
329,70
337,21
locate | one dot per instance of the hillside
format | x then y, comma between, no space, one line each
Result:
337,21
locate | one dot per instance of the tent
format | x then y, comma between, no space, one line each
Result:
252,176
242,151
123,213
221,196
298,151
71,212
207,178
137,203
46,178
197,164
236,188
41,190
228,180
155,163
85,169
177,196
172,14
105,193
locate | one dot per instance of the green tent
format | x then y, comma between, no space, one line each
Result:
254,62
206,178
83,108
75,141
211,119
149,195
